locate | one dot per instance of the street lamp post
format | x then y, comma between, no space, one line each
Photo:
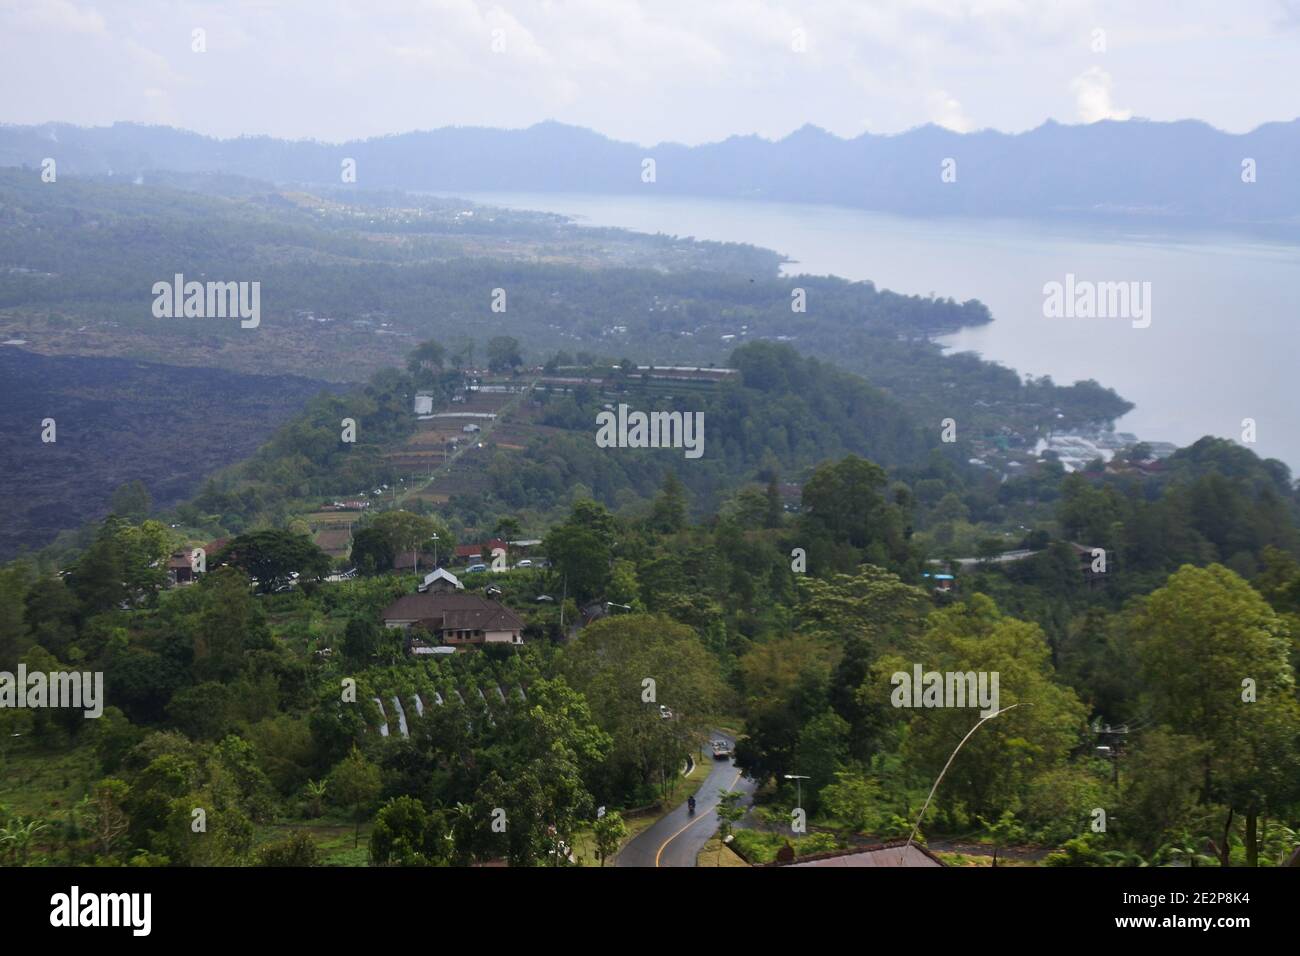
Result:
798,779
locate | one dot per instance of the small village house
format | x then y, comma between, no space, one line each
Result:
180,569
473,553
454,619
440,581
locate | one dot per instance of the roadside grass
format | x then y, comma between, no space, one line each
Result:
729,724
762,847
717,853
584,841
333,838
971,859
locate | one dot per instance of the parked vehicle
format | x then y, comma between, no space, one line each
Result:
525,563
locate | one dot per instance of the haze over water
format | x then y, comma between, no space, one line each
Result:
1222,344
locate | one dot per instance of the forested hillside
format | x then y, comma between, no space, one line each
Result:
348,286
828,538
224,695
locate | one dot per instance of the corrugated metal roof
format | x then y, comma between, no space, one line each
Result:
887,855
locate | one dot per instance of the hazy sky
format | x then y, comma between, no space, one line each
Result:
646,70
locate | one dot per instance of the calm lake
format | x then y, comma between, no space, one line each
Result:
1221,346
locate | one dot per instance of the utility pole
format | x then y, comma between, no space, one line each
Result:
564,598
1114,737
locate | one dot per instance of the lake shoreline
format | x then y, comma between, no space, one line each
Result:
1214,355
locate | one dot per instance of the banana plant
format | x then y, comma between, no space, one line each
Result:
17,836
316,797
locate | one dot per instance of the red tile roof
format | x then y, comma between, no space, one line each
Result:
476,550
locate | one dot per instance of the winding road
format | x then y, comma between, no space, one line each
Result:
677,838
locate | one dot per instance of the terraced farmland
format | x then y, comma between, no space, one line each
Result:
402,697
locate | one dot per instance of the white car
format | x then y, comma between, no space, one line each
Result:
525,563
665,713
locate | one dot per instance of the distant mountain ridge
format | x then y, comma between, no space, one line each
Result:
1174,174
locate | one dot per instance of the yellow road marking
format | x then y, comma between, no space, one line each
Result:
688,826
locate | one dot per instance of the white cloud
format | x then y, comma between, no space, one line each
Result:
642,70
1091,90
947,112
58,16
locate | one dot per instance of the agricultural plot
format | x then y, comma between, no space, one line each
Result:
480,687
392,717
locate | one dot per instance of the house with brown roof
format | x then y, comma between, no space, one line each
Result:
180,568
454,619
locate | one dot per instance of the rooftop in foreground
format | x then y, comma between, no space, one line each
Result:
897,854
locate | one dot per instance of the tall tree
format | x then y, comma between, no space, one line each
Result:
406,834
992,771
845,502
425,362
355,784
1216,661
610,831
272,556
405,532
668,513
131,501
229,625
98,578
629,665
503,353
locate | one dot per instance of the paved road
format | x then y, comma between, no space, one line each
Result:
1004,558
677,838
